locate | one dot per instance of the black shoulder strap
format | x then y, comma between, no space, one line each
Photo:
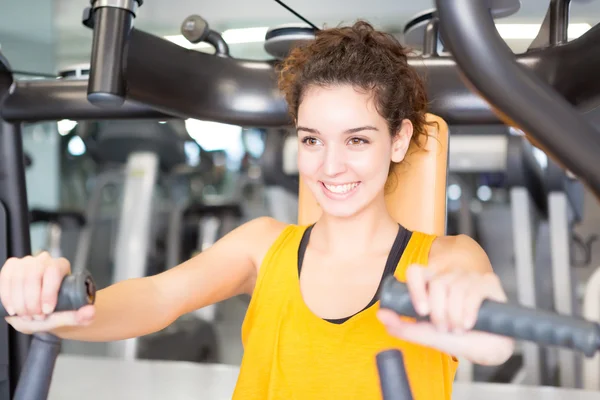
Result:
400,243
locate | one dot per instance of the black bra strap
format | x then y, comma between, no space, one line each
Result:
400,243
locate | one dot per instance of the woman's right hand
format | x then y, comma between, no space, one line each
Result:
29,289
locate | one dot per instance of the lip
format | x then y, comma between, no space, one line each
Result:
339,196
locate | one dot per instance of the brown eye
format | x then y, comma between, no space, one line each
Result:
311,141
358,141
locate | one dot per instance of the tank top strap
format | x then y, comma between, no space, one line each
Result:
276,277
416,252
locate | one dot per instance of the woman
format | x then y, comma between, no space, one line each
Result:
313,327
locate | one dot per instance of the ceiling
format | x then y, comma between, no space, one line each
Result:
164,17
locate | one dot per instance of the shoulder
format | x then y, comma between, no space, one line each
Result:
458,251
258,235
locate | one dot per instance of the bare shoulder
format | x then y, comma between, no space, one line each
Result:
458,252
258,235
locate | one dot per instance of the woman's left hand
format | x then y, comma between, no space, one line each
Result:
452,299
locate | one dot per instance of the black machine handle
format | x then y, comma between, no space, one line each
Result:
76,291
112,21
392,376
195,29
515,321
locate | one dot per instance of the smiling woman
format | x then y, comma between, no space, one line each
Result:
346,148
313,328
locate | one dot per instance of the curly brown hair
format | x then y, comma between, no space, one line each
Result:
365,58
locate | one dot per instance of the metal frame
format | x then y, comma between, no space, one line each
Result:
565,209
133,232
156,89
13,199
591,311
94,203
525,222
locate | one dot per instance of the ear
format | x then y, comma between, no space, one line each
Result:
401,141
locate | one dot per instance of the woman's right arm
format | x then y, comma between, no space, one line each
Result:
137,307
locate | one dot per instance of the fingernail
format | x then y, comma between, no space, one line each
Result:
39,317
46,308
10,311
423,308
27,317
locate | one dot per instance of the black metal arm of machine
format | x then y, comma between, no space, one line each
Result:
76,291
519,96
515,321
163,80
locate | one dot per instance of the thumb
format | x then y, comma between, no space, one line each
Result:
81,317
85,315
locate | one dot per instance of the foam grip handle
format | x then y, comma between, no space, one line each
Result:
392,376
76,290
515,321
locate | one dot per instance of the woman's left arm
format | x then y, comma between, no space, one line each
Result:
450,289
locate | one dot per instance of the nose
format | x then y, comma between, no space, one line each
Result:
334,162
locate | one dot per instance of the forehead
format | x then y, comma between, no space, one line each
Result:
337,105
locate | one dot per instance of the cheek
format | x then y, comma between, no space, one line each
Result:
370,164
308,163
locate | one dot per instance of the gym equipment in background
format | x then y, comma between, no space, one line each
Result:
525,279
280,174
148,150
56,222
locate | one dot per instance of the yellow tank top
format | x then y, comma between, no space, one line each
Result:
292,354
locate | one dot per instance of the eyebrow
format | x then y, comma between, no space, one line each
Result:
347,131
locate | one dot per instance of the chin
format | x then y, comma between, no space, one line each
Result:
340,211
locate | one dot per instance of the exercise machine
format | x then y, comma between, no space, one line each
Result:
528,280
56,222
280,174
156,89
140,156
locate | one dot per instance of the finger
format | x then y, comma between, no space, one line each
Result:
53,277
17,284
438,291
456,301
389,318
53,321
487,286
43,257
472,303
416,282
495,292
5,284
85,315
32,286
423,333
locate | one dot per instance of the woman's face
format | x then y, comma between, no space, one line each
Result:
345,148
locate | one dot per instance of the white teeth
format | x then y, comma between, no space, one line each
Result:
341,188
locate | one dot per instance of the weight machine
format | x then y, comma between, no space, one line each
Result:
136,75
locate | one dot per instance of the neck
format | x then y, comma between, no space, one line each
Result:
370,230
